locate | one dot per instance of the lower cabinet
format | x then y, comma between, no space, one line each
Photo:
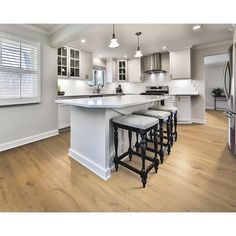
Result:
63,116
183,104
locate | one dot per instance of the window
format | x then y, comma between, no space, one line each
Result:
19,70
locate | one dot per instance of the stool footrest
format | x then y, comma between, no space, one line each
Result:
130,167
139,155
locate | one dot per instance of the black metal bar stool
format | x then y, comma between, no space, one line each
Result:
163,117
141,125
173,126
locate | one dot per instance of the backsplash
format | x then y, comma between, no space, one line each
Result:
75,87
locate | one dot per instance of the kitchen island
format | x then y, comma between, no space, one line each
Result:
91,141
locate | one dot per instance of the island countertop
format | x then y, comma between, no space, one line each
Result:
121,101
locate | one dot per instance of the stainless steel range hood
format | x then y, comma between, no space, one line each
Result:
152,63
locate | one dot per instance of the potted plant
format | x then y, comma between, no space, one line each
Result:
218,92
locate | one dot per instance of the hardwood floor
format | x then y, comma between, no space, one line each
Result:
199,175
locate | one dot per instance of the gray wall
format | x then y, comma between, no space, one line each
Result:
198,102
213,79
18,122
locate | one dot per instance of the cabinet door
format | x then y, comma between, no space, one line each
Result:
86,63
62,61
184,109
180,64
74,61
122,70
134,70
63,116
111,71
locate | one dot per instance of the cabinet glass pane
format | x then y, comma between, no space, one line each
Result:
63,71
77,54
59,61
64,51
59,70
72,72
59,51
72,63
77,63
123,64
63,61
77,72
72,53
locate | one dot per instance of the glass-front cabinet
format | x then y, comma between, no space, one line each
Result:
122,70
68,62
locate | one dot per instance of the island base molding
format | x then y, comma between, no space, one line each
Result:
105,174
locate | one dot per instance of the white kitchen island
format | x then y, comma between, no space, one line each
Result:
91,141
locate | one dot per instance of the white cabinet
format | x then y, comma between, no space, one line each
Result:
63,116
86,65
122,70
111,70
184,109
170,101
74,64
180,64
68,62
134,70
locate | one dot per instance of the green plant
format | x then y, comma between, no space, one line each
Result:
217,92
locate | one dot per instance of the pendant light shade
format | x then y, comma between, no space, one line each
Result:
113,42
138,52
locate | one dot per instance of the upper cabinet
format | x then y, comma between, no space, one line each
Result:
73,63
111,70
86,65
134,70
180,64
122,70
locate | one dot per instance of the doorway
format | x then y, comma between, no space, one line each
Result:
214,67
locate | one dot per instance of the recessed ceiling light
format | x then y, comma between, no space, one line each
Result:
197,27
125,56
164,47
83,40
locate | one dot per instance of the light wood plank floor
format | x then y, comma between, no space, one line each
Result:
199,175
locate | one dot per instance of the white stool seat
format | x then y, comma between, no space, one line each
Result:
167,108
136,121
154,113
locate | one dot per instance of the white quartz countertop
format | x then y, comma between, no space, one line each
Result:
121,101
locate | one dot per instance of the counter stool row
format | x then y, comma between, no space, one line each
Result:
149,126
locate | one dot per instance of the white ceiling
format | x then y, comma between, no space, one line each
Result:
48,28
153,38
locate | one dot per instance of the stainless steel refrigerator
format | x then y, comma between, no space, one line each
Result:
229,83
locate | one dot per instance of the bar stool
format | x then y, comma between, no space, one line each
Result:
173,110
163,117
141,125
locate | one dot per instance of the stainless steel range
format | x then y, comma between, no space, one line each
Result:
156,90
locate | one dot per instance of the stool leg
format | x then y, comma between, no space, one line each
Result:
168,135
116,159
175,122
130,150
171,129
161,152
143,143
155,148
137,146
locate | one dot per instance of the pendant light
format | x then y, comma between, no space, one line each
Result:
138,52
113,43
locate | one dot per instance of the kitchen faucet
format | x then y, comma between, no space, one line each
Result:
99,87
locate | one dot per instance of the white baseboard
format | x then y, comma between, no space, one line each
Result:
23,141
184,122
209,108
64,126
98,170
198,121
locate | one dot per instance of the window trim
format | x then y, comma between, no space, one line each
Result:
24,101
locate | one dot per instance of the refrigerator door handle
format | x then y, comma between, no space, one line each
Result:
224,80
228,113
